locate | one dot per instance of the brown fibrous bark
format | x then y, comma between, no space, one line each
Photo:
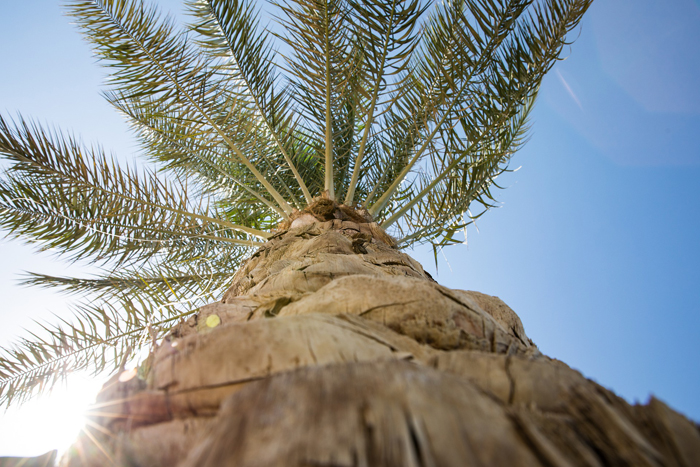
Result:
334,348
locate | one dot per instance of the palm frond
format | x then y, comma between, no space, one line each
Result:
100,338
191,158
76,200
196,281
451,60
469,100
438,211
231,33
149,58
386,36
319,67
121,312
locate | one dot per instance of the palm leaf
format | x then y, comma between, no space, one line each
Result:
99,339
319,67
385,32
150,59
230,32
515,46
76,200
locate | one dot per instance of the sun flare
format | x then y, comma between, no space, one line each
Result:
50,421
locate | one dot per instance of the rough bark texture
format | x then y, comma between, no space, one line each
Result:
333,348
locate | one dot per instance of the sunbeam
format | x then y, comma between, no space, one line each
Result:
51,421
569,90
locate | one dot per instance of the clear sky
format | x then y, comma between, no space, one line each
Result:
595,246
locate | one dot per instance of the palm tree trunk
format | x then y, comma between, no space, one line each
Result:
333,348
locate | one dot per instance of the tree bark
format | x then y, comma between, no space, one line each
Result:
333,348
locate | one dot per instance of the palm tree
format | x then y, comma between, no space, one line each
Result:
302,144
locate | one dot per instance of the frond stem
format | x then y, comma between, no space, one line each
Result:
328,185
384,199
212,166
370,116
274,135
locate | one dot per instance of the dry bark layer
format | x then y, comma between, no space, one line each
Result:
333,348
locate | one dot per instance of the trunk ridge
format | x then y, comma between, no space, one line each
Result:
332,347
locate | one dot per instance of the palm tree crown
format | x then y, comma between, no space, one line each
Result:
405,110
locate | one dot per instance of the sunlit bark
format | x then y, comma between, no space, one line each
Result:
332,347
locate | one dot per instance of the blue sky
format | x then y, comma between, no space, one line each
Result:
596,242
